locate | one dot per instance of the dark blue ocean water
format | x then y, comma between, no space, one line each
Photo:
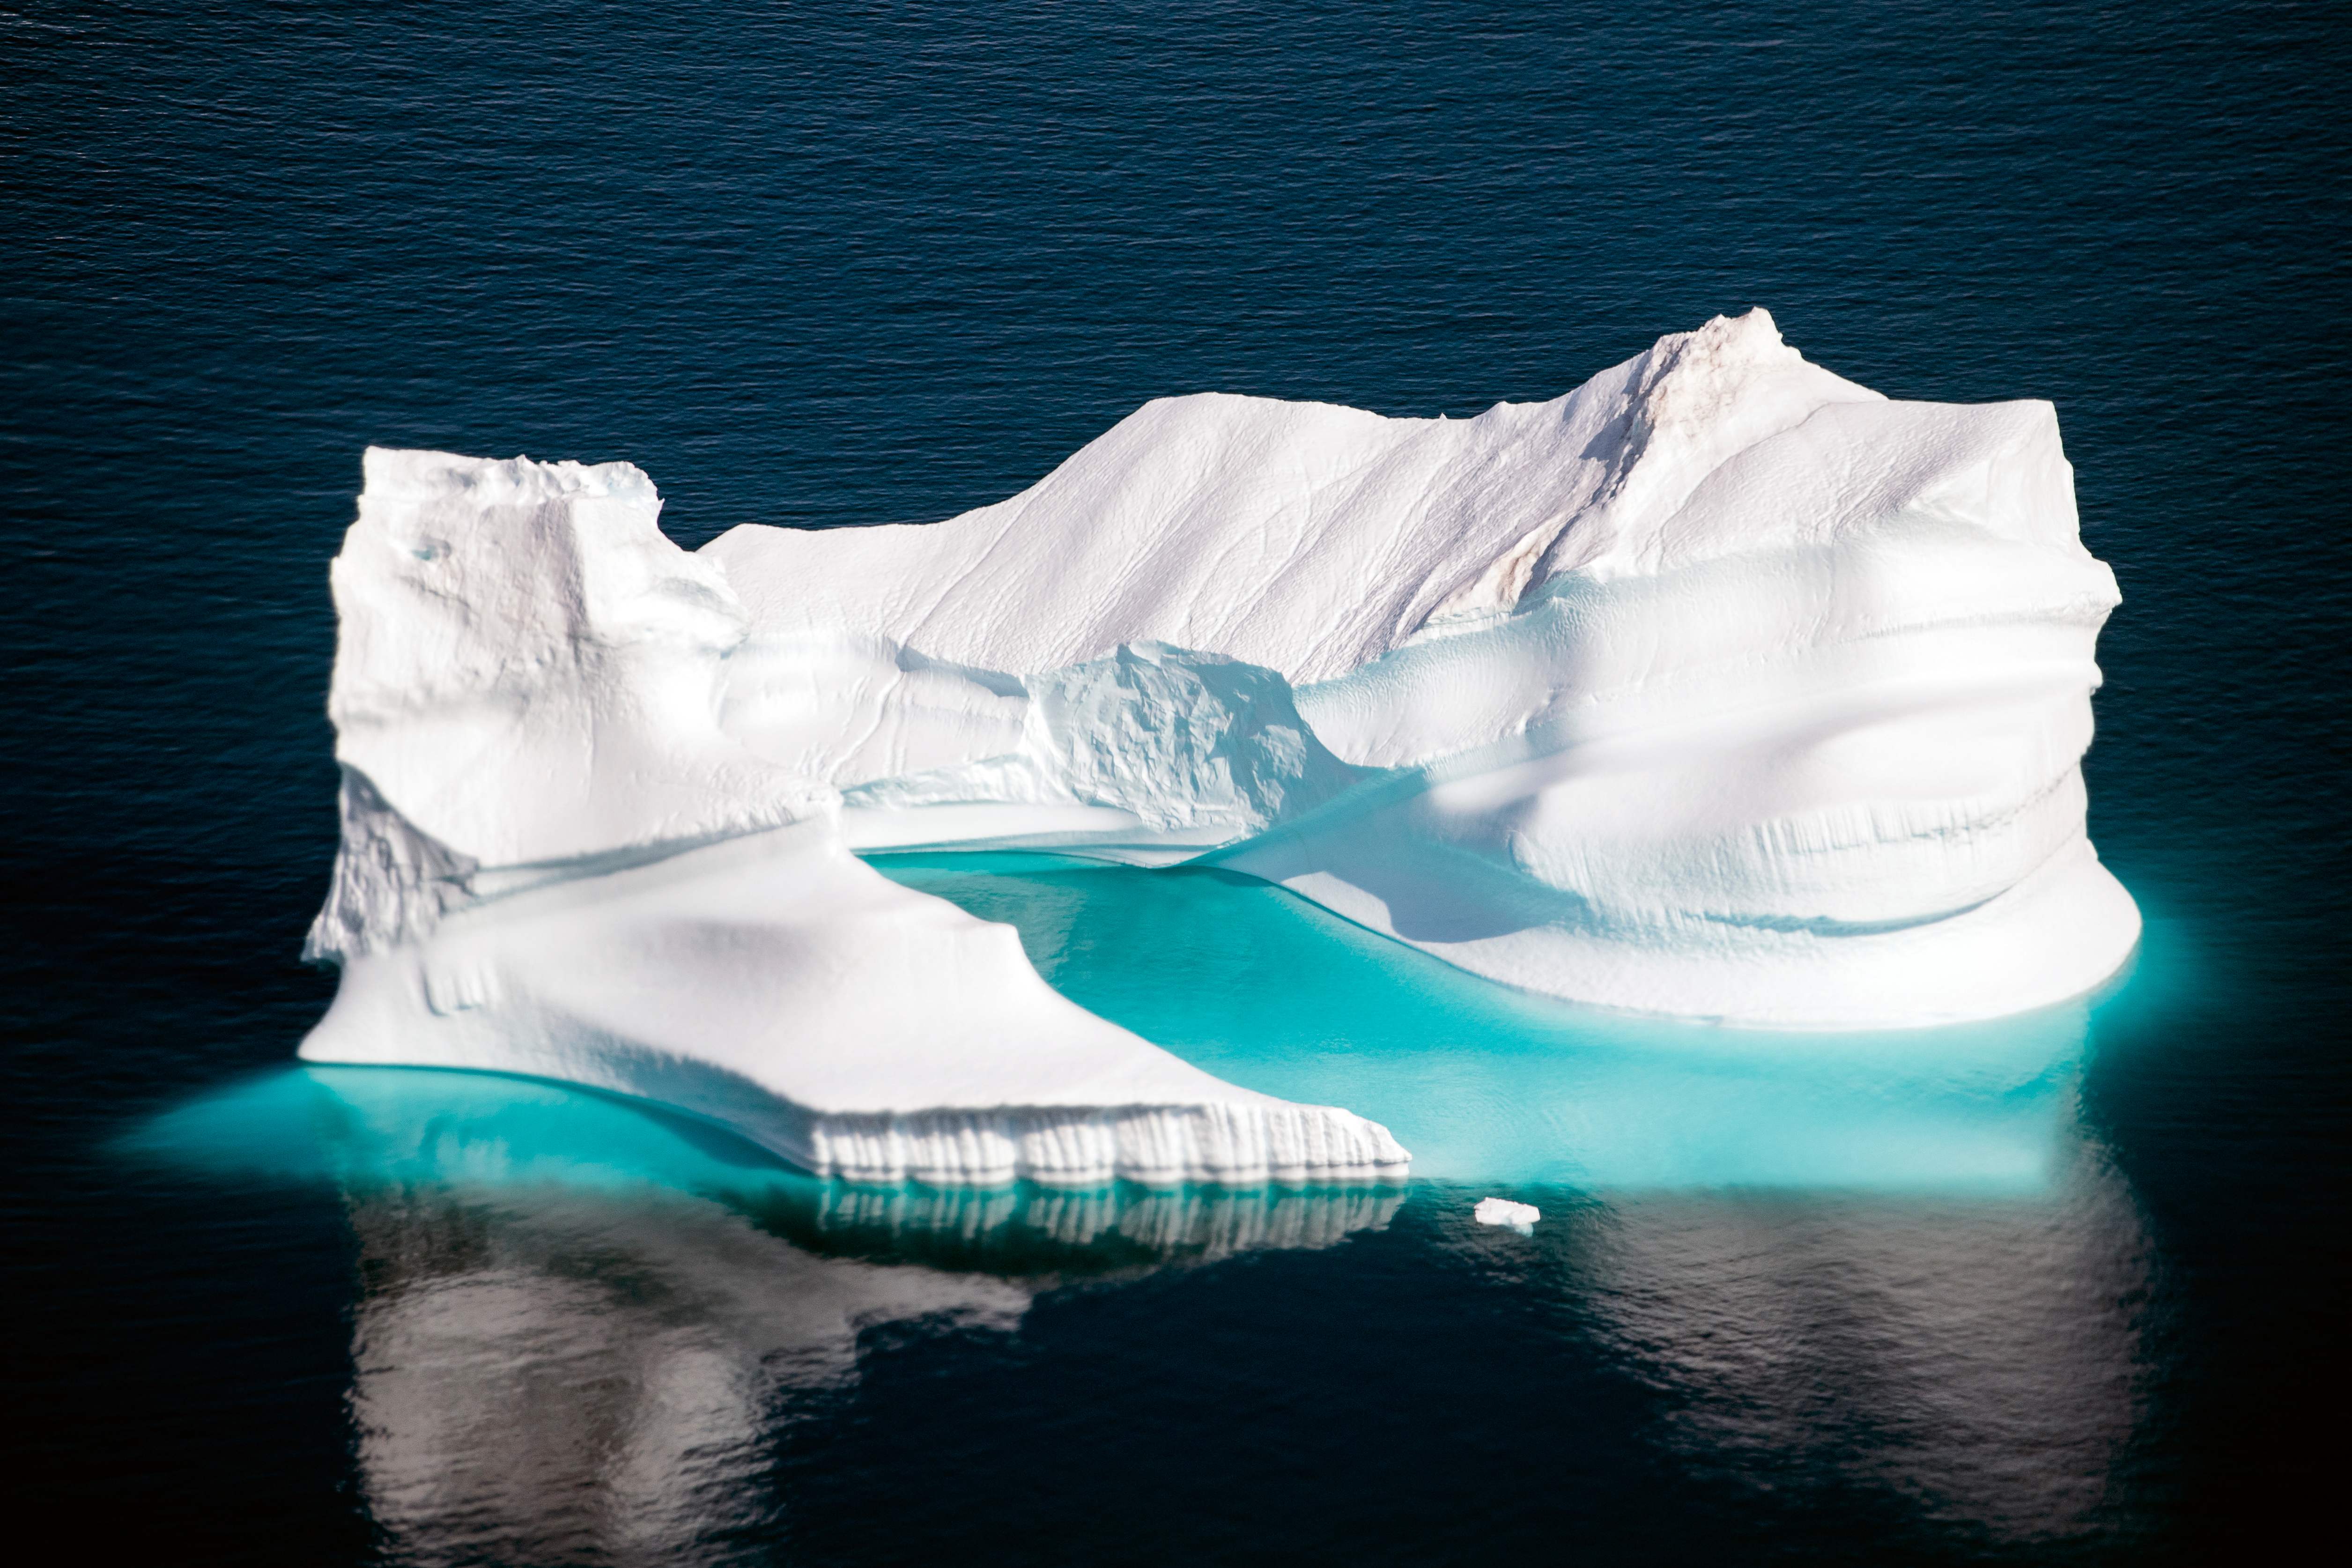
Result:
850,263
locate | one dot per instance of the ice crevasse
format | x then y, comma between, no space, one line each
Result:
1718,688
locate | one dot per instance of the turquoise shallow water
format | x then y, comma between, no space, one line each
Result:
1486,1084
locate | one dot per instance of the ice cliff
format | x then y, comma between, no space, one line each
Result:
1719,688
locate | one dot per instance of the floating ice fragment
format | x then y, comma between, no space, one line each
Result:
1520,1217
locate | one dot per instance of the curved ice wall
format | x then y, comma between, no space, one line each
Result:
1719,688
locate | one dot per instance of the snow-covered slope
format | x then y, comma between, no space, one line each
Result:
1720,687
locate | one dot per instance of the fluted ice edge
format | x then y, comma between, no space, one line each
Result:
1154,1145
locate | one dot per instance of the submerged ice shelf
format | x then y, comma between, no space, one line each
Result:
774,984
1719,688
1505,1091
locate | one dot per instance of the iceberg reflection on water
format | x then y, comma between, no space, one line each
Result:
559,1376
583,1321
1974,1360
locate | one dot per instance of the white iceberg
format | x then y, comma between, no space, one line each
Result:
1718,688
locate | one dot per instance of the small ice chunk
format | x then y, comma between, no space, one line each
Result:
1520,1217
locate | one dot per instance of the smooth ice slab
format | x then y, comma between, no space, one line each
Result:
775,985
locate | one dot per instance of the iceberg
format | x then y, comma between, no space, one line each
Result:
1497,1090
1720,688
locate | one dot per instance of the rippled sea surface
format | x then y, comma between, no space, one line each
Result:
2066,1288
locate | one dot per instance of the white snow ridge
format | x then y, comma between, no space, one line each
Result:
1719,688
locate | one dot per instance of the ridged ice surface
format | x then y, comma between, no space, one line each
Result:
1718,688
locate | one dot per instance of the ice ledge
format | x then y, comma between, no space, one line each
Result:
1248,1141
777,987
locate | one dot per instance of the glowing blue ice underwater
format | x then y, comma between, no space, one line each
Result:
1488,1084
1484,1084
